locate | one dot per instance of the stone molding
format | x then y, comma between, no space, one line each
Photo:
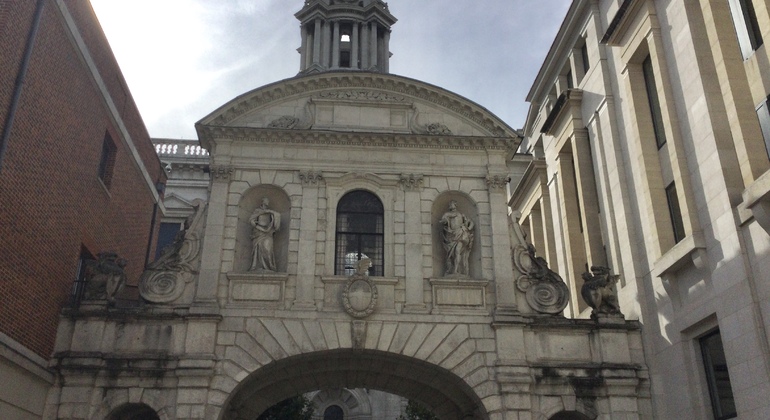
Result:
311,177
411,182
363,81
327,138
496,182
221,172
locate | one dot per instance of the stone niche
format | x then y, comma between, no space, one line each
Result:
279,202
467,207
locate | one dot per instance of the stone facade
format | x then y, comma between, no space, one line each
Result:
235,341
77,177
365,174
644,153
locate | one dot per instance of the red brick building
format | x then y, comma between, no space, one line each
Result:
78,176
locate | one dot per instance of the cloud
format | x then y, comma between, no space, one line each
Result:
188,57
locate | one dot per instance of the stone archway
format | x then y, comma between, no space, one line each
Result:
447,395
133,412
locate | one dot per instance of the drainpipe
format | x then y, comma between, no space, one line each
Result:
20,80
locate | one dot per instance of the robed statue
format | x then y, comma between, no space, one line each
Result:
264,223
458,240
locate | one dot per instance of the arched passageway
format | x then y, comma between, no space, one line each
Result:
133,412
448,396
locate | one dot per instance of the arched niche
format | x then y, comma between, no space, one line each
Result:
251,200
133,412
440,390
467,207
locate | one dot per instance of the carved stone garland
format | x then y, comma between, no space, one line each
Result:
164,279
545,290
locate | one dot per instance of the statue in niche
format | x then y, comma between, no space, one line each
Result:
599,292
458,240
264,223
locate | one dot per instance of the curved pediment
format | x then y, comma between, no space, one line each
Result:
358,102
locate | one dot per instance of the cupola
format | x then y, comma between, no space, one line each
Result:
345,35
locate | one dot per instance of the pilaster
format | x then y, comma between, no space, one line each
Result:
308,232
412,186
501,246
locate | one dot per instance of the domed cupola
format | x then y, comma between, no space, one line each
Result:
345,35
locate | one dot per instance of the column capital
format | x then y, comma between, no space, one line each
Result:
411,182
221,172
495,182
310,177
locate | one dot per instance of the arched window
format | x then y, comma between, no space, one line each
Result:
359,233
334,412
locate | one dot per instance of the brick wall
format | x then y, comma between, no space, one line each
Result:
51,199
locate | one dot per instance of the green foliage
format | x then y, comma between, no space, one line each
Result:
415,411
295,408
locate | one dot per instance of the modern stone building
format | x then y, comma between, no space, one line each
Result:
356,235
647,152
78,176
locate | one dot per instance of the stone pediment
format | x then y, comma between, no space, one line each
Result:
173,201
352,102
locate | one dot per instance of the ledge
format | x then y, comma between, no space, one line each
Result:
568,98
344,279
756,199
693,246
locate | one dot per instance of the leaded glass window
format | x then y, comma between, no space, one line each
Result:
359,233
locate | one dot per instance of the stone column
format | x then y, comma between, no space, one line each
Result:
413,258
373,40
354,47
536,236
304,48
365,46
586,189
386,53
336,46
501,247
308,232
211,254
574,246
317,42
326,45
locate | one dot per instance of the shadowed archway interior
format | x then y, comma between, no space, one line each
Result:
448,396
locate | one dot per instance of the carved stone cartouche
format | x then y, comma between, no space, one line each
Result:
599,293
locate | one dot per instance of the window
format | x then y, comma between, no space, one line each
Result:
359,233
80,278
676,215
584,57
107,161
746,26
763,113
717,377
654,102
166,236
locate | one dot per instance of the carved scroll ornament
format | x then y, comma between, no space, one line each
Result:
165,279
544,288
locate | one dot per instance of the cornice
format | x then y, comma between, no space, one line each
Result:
535,173
568,99
312,84
309,137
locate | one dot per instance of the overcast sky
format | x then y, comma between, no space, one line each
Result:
182,59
